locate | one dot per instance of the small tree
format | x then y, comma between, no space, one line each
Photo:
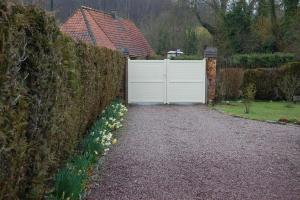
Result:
249,95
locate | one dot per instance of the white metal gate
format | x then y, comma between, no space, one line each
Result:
166,81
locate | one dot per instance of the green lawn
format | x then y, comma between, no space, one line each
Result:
263,110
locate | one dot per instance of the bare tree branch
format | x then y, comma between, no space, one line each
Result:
212,30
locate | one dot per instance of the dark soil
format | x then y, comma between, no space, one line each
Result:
192,152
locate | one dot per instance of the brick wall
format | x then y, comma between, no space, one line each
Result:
211,70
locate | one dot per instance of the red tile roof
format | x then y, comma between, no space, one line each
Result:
99,28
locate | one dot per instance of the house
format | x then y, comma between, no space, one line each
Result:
107,30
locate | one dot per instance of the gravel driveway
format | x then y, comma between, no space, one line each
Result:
192,152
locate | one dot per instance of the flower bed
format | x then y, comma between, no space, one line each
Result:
71,181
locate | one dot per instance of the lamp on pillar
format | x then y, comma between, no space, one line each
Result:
210,54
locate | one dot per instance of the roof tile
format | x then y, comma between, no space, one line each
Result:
75,27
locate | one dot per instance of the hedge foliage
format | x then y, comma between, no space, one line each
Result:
268,81
187,57
51,90
265,81
229,83
182,57
268,60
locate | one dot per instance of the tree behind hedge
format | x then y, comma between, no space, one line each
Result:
51,89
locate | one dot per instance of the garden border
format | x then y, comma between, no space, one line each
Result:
240,117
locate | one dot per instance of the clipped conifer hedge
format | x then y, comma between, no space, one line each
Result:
262,60
51,90
268,81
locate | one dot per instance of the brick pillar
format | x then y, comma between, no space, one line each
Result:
210,55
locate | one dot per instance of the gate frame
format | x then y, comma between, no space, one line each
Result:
167,63
210,56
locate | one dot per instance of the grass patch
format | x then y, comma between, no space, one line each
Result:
263,110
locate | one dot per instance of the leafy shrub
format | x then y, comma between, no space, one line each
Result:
52,89
268,60
265,81
249,96
229,83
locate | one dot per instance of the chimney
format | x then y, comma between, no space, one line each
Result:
114,14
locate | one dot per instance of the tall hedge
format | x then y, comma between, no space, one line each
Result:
268,81
51,89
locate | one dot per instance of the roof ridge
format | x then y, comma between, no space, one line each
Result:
96,10
88,27
102,30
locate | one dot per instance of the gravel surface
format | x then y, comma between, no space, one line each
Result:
192,152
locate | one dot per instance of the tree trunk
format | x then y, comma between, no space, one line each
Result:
275,27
